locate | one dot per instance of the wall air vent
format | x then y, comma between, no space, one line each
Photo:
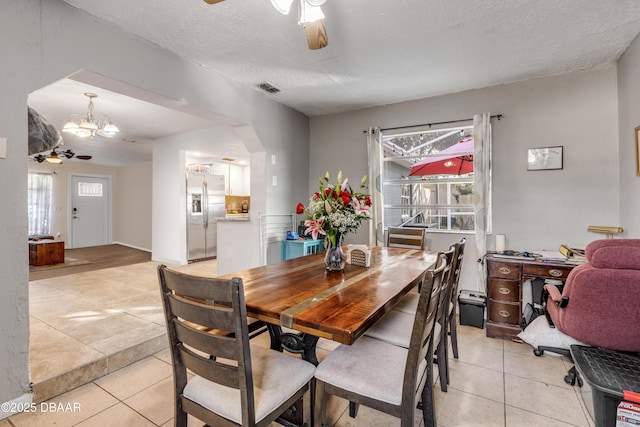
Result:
268,87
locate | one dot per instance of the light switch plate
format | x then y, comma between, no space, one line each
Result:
3,148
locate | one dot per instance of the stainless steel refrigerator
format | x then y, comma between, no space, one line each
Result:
205,205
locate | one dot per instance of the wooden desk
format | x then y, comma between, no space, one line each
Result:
504,287
300,294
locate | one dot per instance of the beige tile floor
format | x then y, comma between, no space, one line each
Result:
494,382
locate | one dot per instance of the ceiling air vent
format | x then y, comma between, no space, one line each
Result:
268,87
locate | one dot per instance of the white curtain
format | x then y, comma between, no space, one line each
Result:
39,200
481,187
376,225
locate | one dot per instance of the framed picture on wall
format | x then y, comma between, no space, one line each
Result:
637,151
546,158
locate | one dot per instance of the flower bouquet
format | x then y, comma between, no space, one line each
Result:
333,211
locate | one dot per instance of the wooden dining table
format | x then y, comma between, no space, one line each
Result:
310,302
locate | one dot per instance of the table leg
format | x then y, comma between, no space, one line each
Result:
298,343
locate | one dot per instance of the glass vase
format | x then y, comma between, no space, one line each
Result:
335,258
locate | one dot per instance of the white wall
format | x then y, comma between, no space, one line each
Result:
536,210
629,110
35,37
132,211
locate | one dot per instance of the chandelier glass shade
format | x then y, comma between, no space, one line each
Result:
90,126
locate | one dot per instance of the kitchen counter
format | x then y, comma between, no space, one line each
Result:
234,217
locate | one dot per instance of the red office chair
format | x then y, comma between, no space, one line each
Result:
599,302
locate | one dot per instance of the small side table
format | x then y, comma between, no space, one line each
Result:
297,248
46,252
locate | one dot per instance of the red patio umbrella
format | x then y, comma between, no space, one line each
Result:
449,162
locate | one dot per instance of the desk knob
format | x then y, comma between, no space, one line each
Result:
505,270
555,273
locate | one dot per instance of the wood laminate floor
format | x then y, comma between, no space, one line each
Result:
99,257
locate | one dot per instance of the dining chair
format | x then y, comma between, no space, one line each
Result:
406,237
395,326
235,383
383,376
457,269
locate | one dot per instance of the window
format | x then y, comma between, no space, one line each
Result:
428,179
89,189
39,199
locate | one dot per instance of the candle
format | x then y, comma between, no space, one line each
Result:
501,242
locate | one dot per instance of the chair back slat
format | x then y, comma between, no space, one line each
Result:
211,344
409,238
218,317
203,288
435,285
457,268
211,369
447,258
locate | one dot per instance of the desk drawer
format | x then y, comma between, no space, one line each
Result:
551,272
503,270
504,290
503,312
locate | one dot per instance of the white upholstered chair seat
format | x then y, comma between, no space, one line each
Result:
409,304
395,328
351,367
276,377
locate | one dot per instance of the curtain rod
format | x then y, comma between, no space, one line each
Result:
495,116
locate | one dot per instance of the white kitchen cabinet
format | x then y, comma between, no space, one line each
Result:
236,178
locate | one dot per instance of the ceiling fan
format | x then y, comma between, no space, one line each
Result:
310,16
56,156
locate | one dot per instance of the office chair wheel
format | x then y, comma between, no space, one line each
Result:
572,376
537,352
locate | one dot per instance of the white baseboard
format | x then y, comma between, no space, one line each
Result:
7,408
132,246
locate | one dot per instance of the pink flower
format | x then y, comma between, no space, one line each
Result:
314,226
361,208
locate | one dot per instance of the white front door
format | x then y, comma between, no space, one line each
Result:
90,211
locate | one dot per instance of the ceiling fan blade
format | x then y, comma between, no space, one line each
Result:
213,1
83,157
316,34
68,154
39,158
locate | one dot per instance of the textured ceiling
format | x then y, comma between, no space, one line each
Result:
382,51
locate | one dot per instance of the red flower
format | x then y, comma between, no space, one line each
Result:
367,200
299,208
346,197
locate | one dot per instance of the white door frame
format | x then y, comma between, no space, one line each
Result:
70,205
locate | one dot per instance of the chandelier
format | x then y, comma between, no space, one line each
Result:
90,126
